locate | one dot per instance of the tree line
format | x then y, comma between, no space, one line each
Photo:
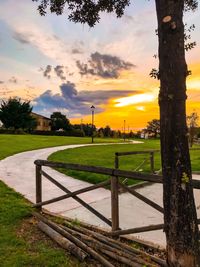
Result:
153,128
16,115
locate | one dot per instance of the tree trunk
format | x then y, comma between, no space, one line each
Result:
180,216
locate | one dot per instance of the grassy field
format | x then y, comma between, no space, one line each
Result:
12,144
104,156
21,244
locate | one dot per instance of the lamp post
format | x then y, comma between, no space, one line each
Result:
124,129
82,125
92,108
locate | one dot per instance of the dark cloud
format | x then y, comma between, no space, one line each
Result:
13,80
59,70
78,47
74,102
47,71
105,66
1,82
77,51
20,37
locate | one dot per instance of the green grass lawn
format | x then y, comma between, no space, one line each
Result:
104,156
21,244
12,144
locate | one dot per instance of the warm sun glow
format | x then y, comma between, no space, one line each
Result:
193,84
141,98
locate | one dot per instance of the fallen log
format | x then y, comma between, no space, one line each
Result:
116,253
116,244
121,259
63,242
106,232
75,240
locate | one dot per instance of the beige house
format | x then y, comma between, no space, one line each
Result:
43,123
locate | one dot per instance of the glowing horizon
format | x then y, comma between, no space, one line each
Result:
62,66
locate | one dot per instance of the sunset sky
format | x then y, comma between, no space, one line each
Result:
67,67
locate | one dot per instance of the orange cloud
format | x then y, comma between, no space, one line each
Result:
140,108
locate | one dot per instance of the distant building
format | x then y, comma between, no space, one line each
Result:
43,123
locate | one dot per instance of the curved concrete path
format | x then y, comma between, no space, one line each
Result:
18,172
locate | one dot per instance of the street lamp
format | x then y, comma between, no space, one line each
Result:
92,108
124,129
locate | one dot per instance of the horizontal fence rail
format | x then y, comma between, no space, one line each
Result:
114,183
151,154
109,171
135,152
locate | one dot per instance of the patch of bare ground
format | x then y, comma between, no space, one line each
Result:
29,232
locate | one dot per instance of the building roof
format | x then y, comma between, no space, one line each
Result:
39,115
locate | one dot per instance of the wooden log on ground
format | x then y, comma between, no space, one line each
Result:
118,253
117,244
73,239
63,242
121,259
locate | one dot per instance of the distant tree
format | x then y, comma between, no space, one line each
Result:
86,128
59,121
90,129
100,133
153,127
79,127
14,113
107,131
192,121
131,134
119,134
115,134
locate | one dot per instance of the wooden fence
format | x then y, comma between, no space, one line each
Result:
150,157
114,183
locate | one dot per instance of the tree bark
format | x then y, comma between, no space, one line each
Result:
180,216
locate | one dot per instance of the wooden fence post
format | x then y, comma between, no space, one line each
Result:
116,161
38,185
152,161
114,203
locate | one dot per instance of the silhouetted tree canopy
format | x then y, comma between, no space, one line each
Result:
59,121
16,114
153,127
88,11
